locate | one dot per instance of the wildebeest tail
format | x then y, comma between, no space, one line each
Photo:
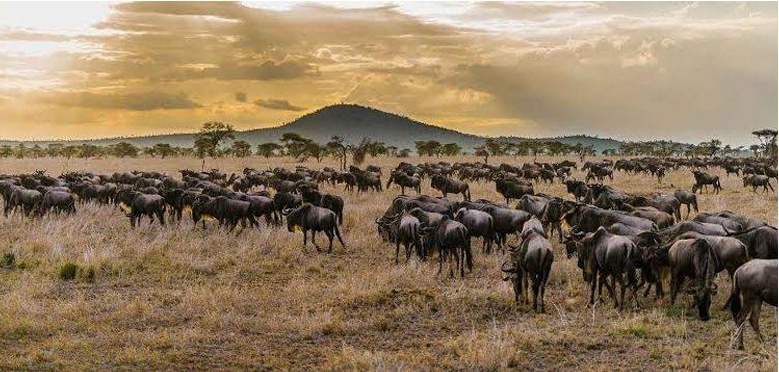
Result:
630,266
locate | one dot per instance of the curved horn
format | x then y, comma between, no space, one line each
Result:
286,211
503,268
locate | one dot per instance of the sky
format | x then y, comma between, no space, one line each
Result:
632,71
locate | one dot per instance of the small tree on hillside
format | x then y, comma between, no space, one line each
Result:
268,149
242,149
124,149
165,150
211,136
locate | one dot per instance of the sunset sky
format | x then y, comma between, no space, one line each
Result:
681,71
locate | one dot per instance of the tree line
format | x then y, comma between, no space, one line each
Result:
216,139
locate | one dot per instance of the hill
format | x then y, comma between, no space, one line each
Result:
353,123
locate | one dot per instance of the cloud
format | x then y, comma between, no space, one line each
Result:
277,104
240,96
145,101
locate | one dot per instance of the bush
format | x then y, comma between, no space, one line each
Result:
8,261
68,271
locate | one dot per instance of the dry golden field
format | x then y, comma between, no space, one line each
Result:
175,298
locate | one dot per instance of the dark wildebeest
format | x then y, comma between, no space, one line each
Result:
687,198
702,179
447,185
452,240
534,258
753,284
403,229
28,200
603,255
479,224
756,180
334,203
403,180
579,189
61,201
694,259
141,204
310,217
512,190
260,205
761,241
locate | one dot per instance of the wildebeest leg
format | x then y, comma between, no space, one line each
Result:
329,234
525,299
592,288
544,278
676,282
754,319
397,250
305,238
536,287
313,240
408,251
338,235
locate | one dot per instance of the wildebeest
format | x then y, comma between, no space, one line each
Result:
142,204
403,230
27,200
756,180
702,179
447,185
452,241
687,198
603,255
310,217
761,241
334,203
479,224
512,190
403,180
534,258
753,284
694,259
61,201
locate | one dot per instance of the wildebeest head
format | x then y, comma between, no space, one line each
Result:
295,216
705,263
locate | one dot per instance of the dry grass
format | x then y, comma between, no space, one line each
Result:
171,298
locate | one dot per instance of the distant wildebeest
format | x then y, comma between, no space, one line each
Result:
753,283
687,198
479,224
61,201
447,185
702,179
756,180
403,180
310,217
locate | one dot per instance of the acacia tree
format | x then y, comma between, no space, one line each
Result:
241,149
483,152
165,150
268,149
124,149
338,149
767,146
295,144
451,149
211,135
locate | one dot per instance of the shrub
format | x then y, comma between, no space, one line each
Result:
68,271
9,259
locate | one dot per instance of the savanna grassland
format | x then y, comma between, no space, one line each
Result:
173,297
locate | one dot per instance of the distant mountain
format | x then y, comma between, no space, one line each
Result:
353,123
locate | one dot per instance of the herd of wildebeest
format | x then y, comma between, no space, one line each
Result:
621,241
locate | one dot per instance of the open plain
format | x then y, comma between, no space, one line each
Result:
176,297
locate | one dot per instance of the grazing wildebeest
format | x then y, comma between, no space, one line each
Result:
702,179
753,283
512,190
694,259
310,217
687,198
534,258
479,224
28,200
334,203
61,201
142,204
756,180
447,185
452,240
603,255
403,230
579,189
